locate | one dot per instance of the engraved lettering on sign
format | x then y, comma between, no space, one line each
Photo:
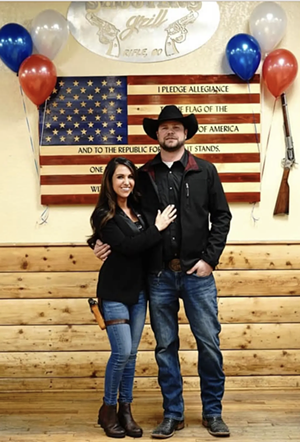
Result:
220,128
135,52
85,149
95,189
135,23
139,4
208,148
209,89
109,149
225,128
96,169
143,31
173,89
221,109
156,52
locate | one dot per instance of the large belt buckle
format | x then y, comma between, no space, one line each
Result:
174,265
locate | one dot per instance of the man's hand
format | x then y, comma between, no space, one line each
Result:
201,268
101,250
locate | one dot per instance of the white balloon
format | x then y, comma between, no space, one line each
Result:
49,33
268,25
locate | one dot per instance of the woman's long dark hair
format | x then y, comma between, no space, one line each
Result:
107,201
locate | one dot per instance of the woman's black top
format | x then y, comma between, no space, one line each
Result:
122,275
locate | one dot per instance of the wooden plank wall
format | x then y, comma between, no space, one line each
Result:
49,339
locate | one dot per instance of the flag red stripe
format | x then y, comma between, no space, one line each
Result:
188,79
247,197
141,159
204,139
71,179
91,199
220,119
193,99
247,177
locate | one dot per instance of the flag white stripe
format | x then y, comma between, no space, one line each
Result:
211,129
198,109
145,149
194,89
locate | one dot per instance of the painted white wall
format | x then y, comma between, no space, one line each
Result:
20,210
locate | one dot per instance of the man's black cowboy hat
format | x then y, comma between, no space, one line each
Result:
170,113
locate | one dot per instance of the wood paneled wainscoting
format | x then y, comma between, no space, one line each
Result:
50,341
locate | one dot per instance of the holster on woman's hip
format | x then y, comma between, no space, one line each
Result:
96,310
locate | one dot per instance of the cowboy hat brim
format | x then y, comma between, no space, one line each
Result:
190,123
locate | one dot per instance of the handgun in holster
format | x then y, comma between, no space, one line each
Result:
96,310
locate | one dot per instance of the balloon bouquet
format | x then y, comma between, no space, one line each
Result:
36,72
268,24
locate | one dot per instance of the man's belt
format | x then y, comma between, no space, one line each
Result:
174,265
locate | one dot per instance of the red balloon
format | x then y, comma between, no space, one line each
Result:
279,71
37,76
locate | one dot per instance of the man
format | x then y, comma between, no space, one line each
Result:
181,267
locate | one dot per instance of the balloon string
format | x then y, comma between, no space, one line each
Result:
254,219
30,136
254,122
45,214
43,123
268,139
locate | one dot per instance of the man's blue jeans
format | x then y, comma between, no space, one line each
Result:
124,341
199,297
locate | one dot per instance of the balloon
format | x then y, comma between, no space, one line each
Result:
49,32
15,45
268,24
243,54
279,71
37,76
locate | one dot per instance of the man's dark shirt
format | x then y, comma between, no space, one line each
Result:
168,181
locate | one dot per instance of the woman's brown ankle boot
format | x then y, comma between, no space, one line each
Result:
126,420
109,421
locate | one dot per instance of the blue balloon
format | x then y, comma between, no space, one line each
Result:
15,45
244,55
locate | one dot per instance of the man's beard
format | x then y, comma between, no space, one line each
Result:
173,148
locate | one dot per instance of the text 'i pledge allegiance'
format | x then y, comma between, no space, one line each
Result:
186,89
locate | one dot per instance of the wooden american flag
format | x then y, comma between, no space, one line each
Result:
88,120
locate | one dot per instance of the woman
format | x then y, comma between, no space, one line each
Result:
116,220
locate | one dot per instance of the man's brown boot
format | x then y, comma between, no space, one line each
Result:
109,421
126,420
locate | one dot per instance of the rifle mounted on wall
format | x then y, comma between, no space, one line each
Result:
283,198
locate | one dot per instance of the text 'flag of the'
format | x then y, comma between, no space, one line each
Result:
88,120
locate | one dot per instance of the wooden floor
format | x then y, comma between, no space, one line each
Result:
264,416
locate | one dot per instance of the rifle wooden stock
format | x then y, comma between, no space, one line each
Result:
283,197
